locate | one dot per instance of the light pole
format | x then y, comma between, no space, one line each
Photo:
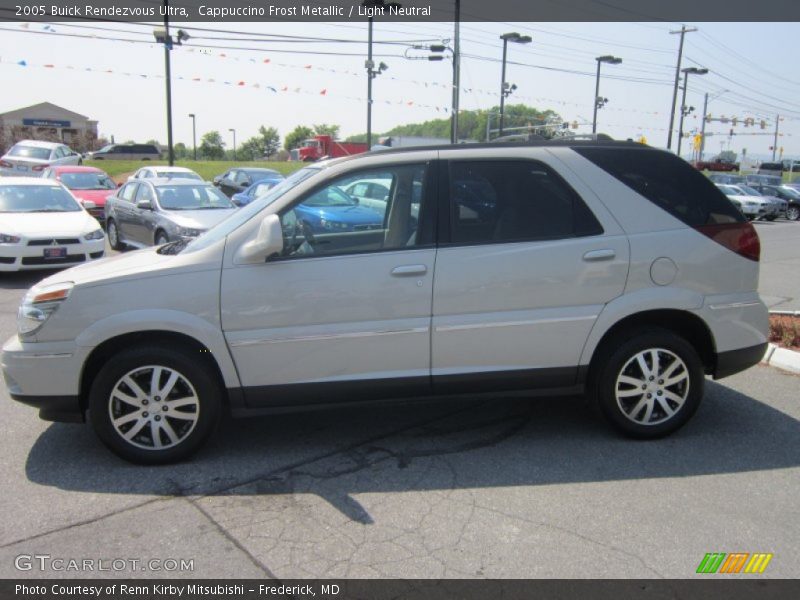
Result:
194,135
505,88
686,110
162,36
234,142
612,60
378,7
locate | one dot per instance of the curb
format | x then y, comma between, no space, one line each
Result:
781,358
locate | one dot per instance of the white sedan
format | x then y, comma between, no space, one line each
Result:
42,226
29,158
165,173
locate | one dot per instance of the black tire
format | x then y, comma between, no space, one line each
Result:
80,161
161,238
179,436
641,413
793,213
771,217
113,235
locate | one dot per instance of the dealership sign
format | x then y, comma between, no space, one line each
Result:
45,123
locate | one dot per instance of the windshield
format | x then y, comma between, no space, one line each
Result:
244,214
106,148
311,144
88,181
35,199
330,197
191,197
728,190
178,175
791,192
748,191
23,151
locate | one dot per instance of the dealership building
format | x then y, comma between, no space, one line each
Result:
46,121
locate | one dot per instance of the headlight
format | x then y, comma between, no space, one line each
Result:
94,235
331,225
189,231
39,303
8,239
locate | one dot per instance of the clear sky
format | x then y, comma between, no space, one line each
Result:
120,83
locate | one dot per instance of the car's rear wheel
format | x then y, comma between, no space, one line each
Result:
154,405
649,385
793,213
113,235
161,238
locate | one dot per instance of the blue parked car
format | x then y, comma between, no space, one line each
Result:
254,190
332,210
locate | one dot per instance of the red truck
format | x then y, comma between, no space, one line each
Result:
716,164
324,146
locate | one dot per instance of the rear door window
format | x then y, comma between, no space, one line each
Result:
668,182
514,200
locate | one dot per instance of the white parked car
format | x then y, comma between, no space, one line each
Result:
42,226
30,157
752,206
165,173
608,268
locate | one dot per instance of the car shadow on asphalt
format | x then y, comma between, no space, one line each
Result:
22,280
339,453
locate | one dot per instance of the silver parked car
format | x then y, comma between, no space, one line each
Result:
30,157
157,211
608,268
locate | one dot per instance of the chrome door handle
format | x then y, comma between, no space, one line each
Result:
595,255
409,270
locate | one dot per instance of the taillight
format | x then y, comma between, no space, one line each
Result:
39,167
737,237
5,164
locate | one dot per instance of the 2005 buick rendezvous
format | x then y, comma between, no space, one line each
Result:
604,267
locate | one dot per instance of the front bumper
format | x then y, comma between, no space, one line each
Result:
18,257
45,376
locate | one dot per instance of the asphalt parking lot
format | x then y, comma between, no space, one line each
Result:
494,488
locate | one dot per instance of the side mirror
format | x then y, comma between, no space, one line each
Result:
236,201
215,181
144,205
267,242
119,184
88,204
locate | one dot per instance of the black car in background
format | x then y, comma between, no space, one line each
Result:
238,179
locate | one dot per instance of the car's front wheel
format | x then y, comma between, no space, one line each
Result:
793,213
154,405
649,385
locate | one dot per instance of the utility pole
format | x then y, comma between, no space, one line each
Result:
683,31
687,110
168,73
703,128
456,73
194,135
598,101
370,66
775,144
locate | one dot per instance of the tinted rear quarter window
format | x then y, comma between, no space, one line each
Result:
668,182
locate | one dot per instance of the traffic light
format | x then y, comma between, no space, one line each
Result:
764,125
735,121
708,118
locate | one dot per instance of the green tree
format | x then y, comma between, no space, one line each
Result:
271,139
212,146
251,149
295,137
181,151
325,129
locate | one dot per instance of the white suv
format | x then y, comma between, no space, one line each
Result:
607,268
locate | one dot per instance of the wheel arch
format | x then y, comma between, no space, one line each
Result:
107,350
681,322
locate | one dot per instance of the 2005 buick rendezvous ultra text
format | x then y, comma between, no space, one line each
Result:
546,268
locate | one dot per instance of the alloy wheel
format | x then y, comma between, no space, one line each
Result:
153,407
652,386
